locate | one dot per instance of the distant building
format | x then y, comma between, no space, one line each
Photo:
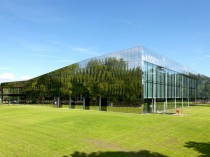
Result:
126,81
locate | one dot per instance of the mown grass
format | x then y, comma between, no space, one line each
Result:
28,131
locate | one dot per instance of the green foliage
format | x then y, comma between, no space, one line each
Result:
109,78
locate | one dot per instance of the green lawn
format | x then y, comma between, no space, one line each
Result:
28,131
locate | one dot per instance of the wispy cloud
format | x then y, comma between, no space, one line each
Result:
199,50
9,77
32,11
200,59
208,56
199,55
76,49
53,46
39,47
25,77
127,22
35,46
42,55
83,50
6,77
38,50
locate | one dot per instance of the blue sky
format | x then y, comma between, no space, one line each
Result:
39,36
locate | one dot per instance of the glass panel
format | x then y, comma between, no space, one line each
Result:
149,90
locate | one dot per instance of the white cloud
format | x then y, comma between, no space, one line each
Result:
9,77
32,11
71,48
83,50
129,23
26,77
207,56
6,77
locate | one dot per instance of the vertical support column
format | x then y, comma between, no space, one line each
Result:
155,109
55,102
1,94
154,89
83,103
58,102
18,99
166,90
143,82
196,88
182,92
164,107
175,93
9,101
188,87
69,101
99,103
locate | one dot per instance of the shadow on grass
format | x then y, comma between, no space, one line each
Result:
203,148
141,153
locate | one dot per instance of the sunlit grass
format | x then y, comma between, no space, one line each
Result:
47,131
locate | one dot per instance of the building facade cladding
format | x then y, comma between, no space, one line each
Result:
117,82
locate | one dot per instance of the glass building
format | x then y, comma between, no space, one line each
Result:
133,80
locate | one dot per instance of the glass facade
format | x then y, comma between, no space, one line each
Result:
131,80
162,83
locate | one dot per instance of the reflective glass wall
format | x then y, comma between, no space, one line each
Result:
12,92
169,85
162,83
111,82
122,81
